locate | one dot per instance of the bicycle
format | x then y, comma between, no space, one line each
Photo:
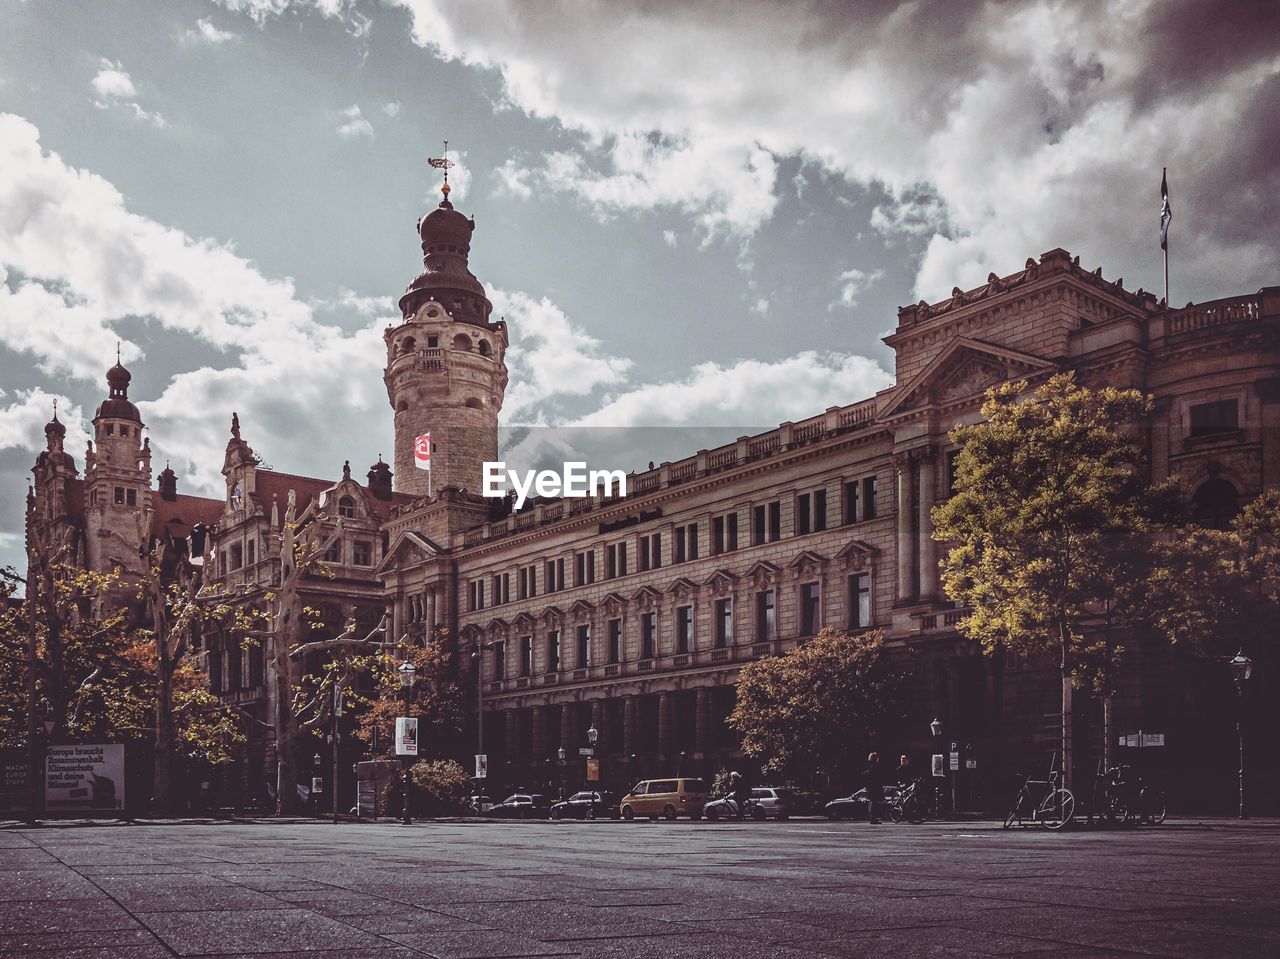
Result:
909,804
1128,799
1054,811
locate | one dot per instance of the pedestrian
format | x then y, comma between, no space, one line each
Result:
741,792
873,778
906,771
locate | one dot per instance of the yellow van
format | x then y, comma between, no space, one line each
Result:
667,798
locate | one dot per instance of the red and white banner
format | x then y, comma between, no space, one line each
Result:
422,452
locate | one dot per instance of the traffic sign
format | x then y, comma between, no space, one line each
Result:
586,751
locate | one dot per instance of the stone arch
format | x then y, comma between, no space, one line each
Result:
347,507
402,406
1215,503
462,342
407,345
474,403
485,349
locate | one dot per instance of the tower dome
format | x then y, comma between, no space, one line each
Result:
447,278
54,427
117,405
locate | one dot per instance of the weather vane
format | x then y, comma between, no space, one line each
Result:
442,163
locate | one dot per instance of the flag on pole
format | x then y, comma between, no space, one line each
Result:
1166,211
422,452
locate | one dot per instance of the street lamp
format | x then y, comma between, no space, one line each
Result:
406,671
935,727
1241,670
477,653
563,757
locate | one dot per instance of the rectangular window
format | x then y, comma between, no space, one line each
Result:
869,498
648,635
214,665
522,583
615,640
119,497
553,651
526,655
362,553
584,566
810,611
851,502
433,342
334,553
724,623
584,646
222,561
819,510
693,541
679,554
501,589
724,534
615,561
622,559
235,664
717,536
237,556
500,660
766,617
131,497
477,594
257,665
650,552
803,519
1222,416
731,531
555,575
684,629
775,521
860,601
251,545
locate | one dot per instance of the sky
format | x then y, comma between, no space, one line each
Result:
690,213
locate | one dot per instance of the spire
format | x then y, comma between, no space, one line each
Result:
443,163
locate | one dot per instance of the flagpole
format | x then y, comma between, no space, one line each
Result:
1167,304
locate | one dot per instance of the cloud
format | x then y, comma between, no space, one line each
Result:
747,392
392,108
549,356
998,130
116,89
206,33
670,239
354,124
22,422
111,81
853,282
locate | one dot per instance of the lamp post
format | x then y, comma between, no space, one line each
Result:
563,757
477,653
406,672
593,737
935,728
1241,670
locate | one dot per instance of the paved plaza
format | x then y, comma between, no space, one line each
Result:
670,890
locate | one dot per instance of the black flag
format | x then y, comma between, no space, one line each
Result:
1166,212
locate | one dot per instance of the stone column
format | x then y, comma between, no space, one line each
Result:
538,748
431,610
568,735
664,724
928,548
906,548
630,720
702,721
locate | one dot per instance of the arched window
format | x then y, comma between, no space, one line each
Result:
474,403
462,342
484,347
402,406
1215,504
406,345
347,507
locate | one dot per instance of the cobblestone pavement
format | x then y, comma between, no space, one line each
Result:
670,890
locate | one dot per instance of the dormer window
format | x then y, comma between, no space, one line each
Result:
347,507
237,497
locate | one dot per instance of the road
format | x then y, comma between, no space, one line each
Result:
637,890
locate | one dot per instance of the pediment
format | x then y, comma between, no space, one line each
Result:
407,550
682,586
526,621
807,562
613,603
721,581
858,554
552,614
581,608
645,596
497,625
762,573
965,368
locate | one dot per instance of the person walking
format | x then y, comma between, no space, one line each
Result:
873,778
906,771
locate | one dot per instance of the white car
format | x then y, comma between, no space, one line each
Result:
767,802
480,804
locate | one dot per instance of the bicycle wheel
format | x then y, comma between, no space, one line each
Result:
1155,806
1014,814
1057,809
913,811
895,812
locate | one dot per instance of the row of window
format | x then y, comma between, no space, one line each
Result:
235,669
764,629
811,516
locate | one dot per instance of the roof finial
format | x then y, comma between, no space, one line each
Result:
117,352
55,407
443,163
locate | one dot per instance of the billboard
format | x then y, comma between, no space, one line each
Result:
84,778
14,795
406,736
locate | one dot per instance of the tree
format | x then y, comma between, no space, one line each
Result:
821,707
1050,528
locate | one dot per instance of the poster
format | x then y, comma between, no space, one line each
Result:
14,796
406,736
84,778
482,766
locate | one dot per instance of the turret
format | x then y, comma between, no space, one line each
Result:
117,485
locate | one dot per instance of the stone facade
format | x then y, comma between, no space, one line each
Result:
635,614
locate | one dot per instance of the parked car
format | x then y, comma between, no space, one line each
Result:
771,801
587,805
522,806
480,804
668,798
855,806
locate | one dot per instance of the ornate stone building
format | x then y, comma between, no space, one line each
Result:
633,615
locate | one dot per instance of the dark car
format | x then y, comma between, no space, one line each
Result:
855,806
522,806
587,805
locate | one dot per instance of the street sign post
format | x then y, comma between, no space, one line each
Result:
586,751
